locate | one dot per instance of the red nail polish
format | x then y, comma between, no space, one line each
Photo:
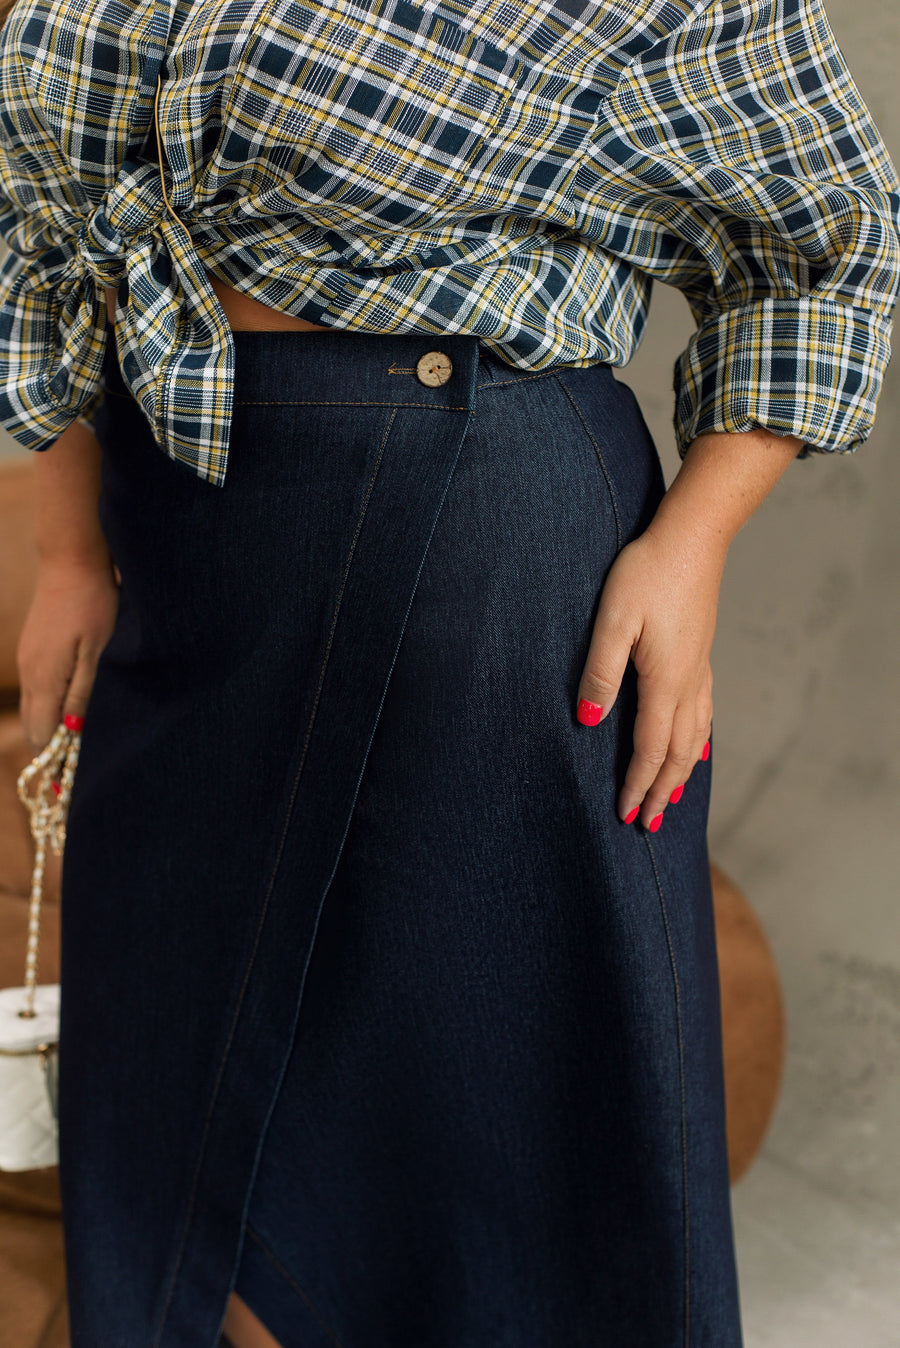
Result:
73,722
588,712
655,822
676,795
56,787
705,754
630,817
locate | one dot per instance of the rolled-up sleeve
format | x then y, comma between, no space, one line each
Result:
762,189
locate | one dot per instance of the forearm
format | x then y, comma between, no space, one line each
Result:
76,598
722,480
66,492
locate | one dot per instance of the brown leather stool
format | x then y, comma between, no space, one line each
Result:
752,1022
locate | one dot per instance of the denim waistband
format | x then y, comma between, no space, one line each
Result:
355,368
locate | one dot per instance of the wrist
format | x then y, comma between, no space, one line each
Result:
694,525
75,562
723,478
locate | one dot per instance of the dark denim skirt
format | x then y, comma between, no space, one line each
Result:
372,1008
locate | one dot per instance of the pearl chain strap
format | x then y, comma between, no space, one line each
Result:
53,770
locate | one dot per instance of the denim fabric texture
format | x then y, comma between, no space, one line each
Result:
372,1008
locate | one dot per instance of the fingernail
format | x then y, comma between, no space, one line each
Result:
73,722
588,712
655,823
705,754
676,795
632,815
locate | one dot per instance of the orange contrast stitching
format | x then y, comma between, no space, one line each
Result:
339,402
525,378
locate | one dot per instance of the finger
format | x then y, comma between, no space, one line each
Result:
604,668
652,732
703,722
41,712
78,693
682,754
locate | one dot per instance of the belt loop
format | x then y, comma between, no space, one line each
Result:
485,363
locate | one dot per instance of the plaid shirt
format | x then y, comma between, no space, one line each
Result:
517,169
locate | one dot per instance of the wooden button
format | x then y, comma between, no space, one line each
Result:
434,369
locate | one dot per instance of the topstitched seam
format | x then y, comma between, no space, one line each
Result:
268,894
684,1160
341,402
609,486
293,1283
522,379
315,402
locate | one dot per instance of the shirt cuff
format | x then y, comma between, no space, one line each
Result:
807,367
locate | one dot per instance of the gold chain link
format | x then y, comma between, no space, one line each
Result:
56,763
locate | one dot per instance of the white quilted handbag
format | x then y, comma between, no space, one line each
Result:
29,1016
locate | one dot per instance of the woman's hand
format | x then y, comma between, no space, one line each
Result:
71,618
658,606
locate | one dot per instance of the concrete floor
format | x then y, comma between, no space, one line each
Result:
806,798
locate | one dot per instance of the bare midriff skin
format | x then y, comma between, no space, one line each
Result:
244,313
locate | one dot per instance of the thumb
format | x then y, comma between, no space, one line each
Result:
604,668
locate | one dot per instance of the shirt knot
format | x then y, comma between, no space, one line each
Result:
128,214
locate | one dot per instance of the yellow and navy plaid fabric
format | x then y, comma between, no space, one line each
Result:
517,169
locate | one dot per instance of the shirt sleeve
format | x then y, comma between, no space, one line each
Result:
764,192
88,414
